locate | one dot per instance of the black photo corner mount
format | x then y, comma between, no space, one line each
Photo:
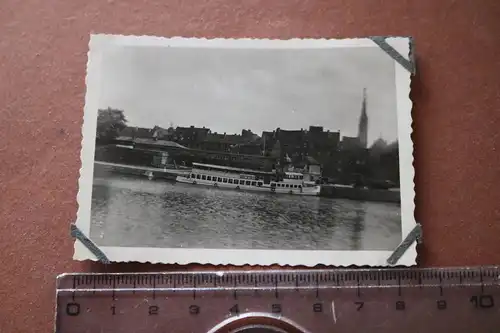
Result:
413,236
89,244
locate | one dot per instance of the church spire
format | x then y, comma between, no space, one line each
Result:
363,123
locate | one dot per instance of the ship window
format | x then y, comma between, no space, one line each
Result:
300,186
254,183
247,182
242,182
198,176
209,177
224,180
287,185
219,179
203,177
301,177
193,175
230,181
259,184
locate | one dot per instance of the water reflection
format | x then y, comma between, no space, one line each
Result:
137,212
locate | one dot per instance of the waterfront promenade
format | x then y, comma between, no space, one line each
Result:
139,170
360,194
327,190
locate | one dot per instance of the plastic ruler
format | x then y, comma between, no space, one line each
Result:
348,300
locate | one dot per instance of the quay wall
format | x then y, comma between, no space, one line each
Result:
360,194
328,191
105,170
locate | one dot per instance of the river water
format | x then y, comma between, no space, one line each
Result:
136,212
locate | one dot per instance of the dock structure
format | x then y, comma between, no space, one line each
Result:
360,194
150,172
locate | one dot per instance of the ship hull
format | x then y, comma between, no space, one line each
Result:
265,188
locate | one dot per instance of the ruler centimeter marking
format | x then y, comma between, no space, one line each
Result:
347,300
235,279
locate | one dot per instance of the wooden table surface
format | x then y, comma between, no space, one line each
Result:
43,48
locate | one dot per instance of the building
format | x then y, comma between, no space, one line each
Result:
294,143
353,151
384,161
361,141
190,136
136,132
349,143
256,162
363,124
312,169
160,133
246,143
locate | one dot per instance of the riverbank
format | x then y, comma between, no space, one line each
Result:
101,169
360,194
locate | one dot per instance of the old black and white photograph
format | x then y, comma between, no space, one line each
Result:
246,151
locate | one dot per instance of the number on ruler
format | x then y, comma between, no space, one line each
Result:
318,307
194,309
483,301
153,310
441,304
276,308
359,305
73,309
400,305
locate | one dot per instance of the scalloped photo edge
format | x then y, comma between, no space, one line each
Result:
97,84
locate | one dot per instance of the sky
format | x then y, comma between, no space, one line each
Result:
227,90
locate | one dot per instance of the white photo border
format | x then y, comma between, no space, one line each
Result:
100,42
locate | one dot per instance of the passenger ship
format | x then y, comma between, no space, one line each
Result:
248,180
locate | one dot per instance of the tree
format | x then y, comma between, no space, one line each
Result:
110,122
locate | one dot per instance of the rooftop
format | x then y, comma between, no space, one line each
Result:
157,143
221,167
